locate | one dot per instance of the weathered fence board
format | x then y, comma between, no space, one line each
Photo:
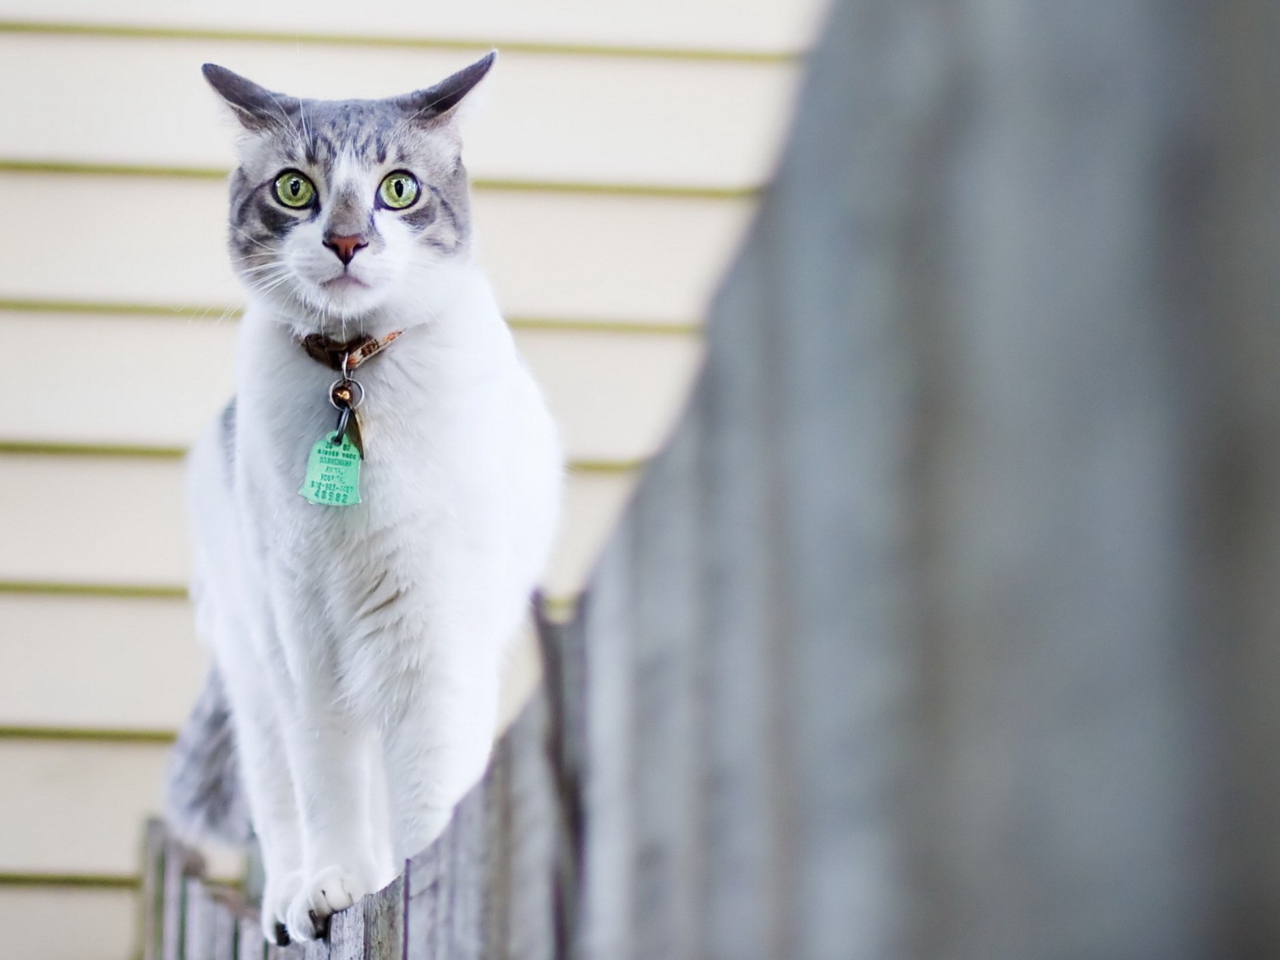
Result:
199,927
385,930
946,623
151,924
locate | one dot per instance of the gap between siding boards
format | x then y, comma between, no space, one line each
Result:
219,313
656,190
62,28
30,448
557,607
88,735
97,881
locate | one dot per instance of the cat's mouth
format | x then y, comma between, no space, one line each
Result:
344,281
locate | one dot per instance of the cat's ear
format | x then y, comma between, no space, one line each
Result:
439,102
255,107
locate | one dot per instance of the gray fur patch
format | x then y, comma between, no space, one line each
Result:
228,430
205,799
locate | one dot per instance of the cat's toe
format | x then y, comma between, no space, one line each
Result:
328,891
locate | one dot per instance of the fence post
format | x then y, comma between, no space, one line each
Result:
151,926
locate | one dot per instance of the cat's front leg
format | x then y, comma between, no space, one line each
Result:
266,777
438,749
332,756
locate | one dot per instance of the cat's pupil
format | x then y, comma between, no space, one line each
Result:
399,188
295,187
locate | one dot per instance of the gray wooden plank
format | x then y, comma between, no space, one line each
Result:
1050,586
348,931
151,932
1240,246
840,247
666,736
524,893
564,700
741,788
176,863
199,923
424,913
605,920
250,944
225,923
313,950
386,929
462,890
493,846
294,951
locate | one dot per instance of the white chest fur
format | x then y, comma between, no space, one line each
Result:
362,645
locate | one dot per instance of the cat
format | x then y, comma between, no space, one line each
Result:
372,511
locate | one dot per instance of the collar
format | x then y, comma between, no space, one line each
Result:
332,352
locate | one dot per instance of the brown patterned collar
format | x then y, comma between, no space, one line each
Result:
332,352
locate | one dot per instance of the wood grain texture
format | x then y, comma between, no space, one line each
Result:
348,932
386,922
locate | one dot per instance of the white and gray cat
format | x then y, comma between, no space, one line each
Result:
357,645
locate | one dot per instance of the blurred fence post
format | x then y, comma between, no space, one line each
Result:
947,624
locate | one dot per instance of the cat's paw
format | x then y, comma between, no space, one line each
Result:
276,899
329,890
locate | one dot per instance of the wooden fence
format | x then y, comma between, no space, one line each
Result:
487,889
947,624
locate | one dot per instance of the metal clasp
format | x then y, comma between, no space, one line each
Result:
345,394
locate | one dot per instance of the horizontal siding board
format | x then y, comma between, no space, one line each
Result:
624,258
713,25
52,923
185,377
80,662
158,241
109,521
122,521
76,811
616,122
71,668
76,808
613,394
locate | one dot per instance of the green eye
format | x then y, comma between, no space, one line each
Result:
398,190
294,190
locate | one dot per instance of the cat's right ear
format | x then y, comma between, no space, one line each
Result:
255,107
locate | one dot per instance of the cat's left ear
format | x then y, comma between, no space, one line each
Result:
441,101
257,108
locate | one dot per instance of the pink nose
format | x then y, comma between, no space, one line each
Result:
345,247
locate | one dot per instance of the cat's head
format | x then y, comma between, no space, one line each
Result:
341,207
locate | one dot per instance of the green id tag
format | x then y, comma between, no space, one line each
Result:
333,472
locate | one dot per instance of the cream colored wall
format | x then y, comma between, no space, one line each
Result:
615,155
